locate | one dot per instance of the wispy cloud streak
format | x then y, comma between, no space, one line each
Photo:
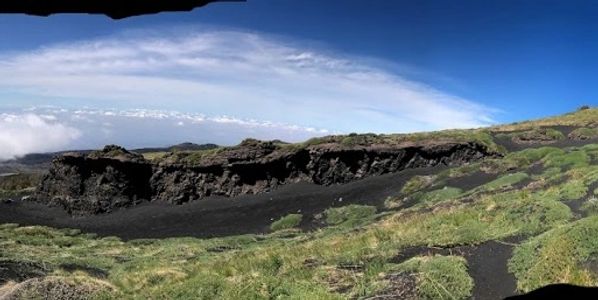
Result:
246,75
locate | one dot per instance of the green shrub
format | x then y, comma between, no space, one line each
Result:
19,181
574,159
287,222
440,277
557,256
439,195
349,215
529,156
503,181
417,183
572,190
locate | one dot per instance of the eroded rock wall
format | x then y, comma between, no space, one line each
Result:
113,178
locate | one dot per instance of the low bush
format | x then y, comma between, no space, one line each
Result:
287,222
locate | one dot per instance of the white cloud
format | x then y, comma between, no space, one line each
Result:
26,133
137,128
227,73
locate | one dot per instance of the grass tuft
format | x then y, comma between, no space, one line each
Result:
287,222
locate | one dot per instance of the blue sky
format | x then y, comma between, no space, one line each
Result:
292,69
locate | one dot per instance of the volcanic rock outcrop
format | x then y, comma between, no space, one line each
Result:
97,182
104,180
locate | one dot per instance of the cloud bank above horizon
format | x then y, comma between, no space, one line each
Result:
26,133
49,129
239,82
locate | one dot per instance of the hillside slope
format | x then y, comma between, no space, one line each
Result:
519,217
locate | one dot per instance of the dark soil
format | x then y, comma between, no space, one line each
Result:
522,184
575,207
576,204
488,268
220,249
216,216
11,270
95,272
487,265
536,169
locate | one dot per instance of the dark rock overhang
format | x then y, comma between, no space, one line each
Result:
115,9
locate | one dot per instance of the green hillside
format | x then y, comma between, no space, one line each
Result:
537,206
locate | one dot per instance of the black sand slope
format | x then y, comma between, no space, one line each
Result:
215,216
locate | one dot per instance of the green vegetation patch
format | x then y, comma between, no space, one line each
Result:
440,195
154,156
111,151
287,222
190,157
536,135
529,156
590,206
572,190
440,277
19,181
18,184
367,139
574,158
350,215
585,118
583,133
421,199
490,217
591,150
502,182
417,183
517,160
563,254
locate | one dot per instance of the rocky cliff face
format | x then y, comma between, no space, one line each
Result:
98,182
114,177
